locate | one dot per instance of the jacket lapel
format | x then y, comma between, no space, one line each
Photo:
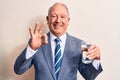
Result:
65,55
48,56
49,59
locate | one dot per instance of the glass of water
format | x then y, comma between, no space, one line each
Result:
85,46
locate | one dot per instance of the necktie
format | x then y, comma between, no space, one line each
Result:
58,57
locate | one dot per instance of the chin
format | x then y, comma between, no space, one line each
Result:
57,31
57,34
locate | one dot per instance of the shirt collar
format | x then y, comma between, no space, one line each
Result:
62,38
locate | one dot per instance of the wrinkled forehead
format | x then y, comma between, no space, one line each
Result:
58,7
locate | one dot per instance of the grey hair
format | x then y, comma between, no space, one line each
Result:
58,3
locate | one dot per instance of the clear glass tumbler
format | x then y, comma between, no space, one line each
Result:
85,46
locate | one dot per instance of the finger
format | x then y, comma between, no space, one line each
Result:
94,51
91,51
44,39
91,56
92,47
30,30
94,54
36,27
42,28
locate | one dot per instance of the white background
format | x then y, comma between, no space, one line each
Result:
92,20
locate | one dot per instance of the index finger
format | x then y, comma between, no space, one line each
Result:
31,32
42,28
93,46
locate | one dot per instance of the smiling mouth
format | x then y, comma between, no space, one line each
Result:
57,25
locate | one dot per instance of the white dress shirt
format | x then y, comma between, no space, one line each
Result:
53,44
30,52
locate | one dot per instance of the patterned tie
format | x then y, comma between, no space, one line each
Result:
58,57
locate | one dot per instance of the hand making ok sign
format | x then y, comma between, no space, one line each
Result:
37,38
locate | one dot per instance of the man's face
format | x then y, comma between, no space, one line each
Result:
58,20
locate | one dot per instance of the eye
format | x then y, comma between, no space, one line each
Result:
63,17
53,16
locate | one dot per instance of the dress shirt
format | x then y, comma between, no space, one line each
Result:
30,52
53,44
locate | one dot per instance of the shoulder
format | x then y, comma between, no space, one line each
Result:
70,37
74,41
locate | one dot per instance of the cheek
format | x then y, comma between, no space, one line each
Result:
65,23
52,20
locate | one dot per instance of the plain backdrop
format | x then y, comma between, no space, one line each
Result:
96,21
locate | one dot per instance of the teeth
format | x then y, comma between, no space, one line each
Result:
58,25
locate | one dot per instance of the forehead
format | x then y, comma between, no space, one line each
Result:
58,9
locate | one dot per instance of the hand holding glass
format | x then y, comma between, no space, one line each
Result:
85,46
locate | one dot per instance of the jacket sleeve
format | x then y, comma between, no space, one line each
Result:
22,64
88,71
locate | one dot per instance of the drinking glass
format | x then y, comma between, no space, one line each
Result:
85,46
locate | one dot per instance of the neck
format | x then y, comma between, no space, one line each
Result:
58,35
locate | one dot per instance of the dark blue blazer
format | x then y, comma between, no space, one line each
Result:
71,62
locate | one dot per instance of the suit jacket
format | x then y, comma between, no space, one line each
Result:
71,62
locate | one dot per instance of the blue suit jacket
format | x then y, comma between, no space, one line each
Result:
43,62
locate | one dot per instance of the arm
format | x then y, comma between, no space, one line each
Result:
88,71
91,71
22,64
24,60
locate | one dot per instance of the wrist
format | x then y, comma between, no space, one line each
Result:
97,58
33,48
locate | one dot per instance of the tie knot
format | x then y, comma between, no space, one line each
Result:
57,40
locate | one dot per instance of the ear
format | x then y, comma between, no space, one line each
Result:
47,18
68,19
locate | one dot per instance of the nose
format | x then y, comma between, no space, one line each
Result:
58,19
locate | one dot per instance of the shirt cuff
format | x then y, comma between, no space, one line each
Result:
96,64
30,52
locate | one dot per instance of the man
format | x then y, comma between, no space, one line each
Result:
40,51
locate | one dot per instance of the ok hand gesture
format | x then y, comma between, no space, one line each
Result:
37,38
